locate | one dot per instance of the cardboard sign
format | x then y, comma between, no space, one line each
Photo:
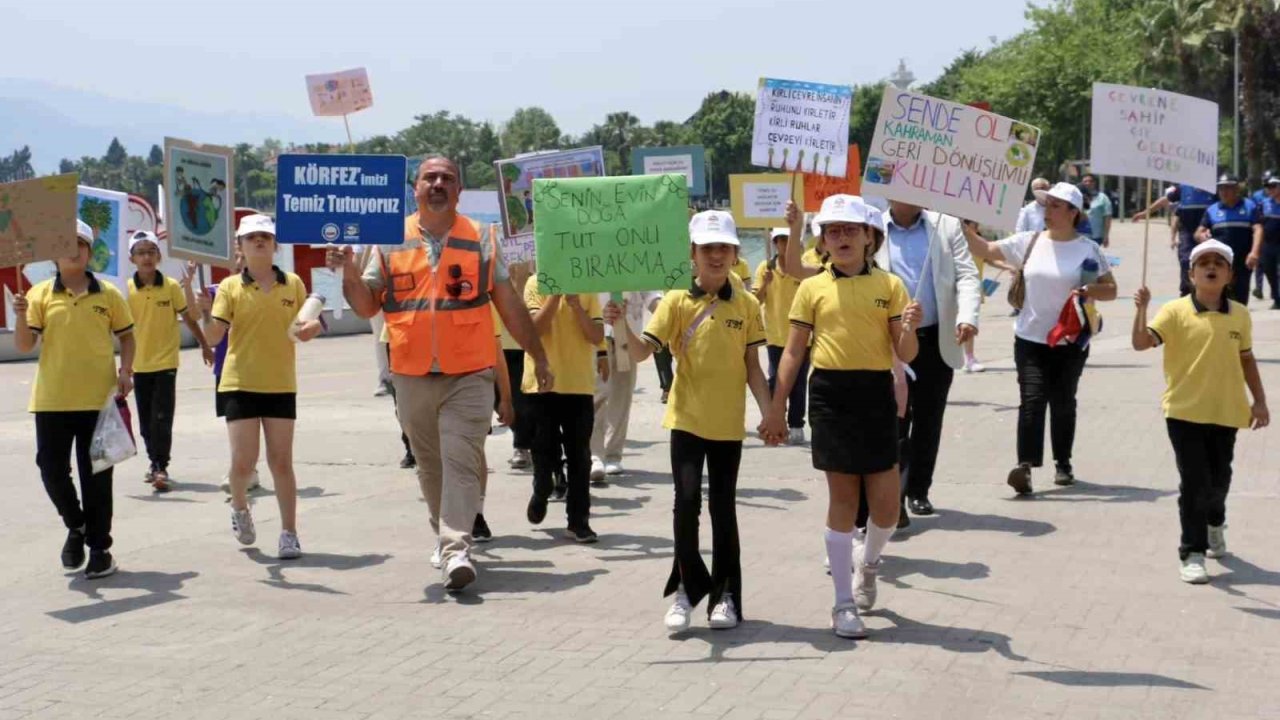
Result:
950,157
340,199
687,160
1141,132
611,234
516,176
759,200
37,219
339,93
817,187
198,205
802,127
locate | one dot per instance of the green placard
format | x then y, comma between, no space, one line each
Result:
611,234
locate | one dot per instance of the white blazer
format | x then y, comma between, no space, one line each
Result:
956,284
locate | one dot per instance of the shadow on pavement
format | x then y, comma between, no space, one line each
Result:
1092,492
491,580
160,588
326,561
1084,678
1264,613
752,632
953,639
897,568
617,503
1243,572
958,520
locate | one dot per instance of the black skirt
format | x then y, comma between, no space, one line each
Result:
244,405
854,418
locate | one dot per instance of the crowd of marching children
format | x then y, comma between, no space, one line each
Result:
862,331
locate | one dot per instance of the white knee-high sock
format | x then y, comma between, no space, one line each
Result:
840,555
877,538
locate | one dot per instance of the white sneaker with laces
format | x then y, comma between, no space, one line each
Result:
973,366
613,468
597,470
242,526
677,617
436,561
864,583
796,436
846,623
724,615
460,573
1193,570
1217,541
290,548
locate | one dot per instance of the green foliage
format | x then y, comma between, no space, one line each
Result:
97,213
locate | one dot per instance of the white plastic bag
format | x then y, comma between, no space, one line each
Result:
112,442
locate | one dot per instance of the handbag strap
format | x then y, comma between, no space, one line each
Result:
687,336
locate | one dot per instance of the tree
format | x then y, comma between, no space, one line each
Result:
116,155
724,124
17,166
156,156
863,116
529,130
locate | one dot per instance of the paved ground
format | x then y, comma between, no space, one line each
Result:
1067,605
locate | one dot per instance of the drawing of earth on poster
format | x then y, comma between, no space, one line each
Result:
200,190
104,212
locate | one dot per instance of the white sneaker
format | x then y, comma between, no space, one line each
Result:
242,526
677,618
846,623
290,548
436,561
796,437
226,482
864,583
597,471
973,366
724,615
1193,570
613,468
1217,541
459,574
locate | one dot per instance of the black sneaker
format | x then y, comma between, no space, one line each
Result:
665,394
537,511
1063,476
561,485
480,530
73,550
1257,292
408,461
581,533
101,564
1020,479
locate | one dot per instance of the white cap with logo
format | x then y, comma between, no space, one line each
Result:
141,236
1213,246
256,224
778,232
841,209
1067,193
710,227
83,231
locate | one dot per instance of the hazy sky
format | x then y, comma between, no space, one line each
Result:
578,59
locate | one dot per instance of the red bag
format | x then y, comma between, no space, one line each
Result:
126,416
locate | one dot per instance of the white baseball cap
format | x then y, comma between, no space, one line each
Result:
1068,193
141,236
83,231
841,208
256,223
710,227
1213,246
876,220
778,232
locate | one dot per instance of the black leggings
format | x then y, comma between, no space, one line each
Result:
722,457
156,398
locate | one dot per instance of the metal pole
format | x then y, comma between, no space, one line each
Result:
1235,86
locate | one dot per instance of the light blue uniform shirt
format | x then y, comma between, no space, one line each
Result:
908,259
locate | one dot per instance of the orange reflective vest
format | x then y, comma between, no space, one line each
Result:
440,316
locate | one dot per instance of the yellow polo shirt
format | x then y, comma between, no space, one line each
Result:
708,398
571,357
77,368
777,303
849,317
1202,373
157,308
260,355
742,269
508,342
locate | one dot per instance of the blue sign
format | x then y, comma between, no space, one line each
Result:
687,160
340,199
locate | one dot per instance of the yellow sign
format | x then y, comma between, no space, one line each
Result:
759,200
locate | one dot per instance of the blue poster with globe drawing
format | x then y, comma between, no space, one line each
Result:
200,214
341,199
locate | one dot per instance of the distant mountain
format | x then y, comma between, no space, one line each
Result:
59,122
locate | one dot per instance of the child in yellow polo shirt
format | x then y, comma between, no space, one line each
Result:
258,388
855,314
776,289
1208,362
157,303
76,318
715,331
572,331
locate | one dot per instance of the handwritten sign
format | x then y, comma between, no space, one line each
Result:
687,160
950,157
1141,132
200,218
818,187
759,200
339,93
611,234
342,199
802,127
37,219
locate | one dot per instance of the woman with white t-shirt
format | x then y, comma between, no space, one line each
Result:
1056,263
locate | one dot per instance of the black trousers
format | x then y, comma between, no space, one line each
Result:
1271,268
799,391
920,432
1203,453
1186,243
666,373
156,397
56,432
688,454
1242,281
568,419
522,430
1048,378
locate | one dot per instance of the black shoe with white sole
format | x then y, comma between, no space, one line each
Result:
581,533
73,550
101,564
480,530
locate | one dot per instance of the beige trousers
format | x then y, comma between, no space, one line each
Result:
613,410
446,418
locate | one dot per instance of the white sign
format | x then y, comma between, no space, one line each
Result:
328,284
952,158
1141,132
339,93
802,127
765,199
670,165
